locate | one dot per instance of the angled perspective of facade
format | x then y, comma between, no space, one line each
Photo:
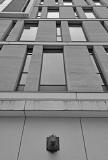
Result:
53,79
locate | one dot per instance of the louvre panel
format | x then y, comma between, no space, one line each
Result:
102,59
80,12
15,34
15,6
65,31
5,26
101,12
67,12
46,31
79,2
80,74
95,31
32,83
11,62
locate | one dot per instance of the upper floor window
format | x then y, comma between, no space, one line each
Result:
58,31
39,12
29,32
53,13
97,3
76,33
89,14
41,2
67,2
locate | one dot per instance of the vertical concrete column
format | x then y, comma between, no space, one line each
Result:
65,31
102,60
15,34
5,26
15,6
32,83
95,31
44,12
80,12
80,72
66,12
11,62
101,12
33,12
46,31
79,2
60,2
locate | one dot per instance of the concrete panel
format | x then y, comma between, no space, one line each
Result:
80,73
80,12
96,137
44,12
60,2
94,34
104,2
90,2
65,31
10,136
46,31
101,12
32,83
49,2
37,2
15,6
36,131
102,59
16,32
79,2
66,12
5,26
33,12
11,63
12,108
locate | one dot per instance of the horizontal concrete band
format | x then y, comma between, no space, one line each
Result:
54,108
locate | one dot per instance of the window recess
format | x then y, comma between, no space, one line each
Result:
22,81
76,32
67,2
58,31
41,2
52,73
39,12
29,32
53,13
89,13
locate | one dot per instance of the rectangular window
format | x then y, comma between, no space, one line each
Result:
52,74
76,33
29,32
97,3
39,12
67,2
53,13
25,70
58,31
89,14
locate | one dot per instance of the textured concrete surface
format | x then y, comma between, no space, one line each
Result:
66,12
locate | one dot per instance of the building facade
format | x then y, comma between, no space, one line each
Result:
54,79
